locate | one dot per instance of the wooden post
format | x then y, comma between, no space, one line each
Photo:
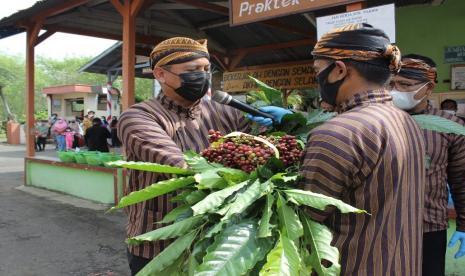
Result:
129,56
31,40
128,10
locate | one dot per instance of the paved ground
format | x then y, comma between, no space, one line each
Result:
40,236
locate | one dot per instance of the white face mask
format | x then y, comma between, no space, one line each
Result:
406,100
451,112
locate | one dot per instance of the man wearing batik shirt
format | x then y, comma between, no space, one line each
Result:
161,129
370,156
446,154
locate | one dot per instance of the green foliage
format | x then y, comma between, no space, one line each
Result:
154,190
272,96
199,164
439,124
214,200
41,115
51,72
319,238
234,252
238,224
175,213
289,221
265,226
219,178
150,167
283,260
168,232
168,256
319,201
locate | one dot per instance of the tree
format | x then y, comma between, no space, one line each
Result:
50,72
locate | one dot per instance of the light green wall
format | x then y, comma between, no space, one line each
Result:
426,30
92,185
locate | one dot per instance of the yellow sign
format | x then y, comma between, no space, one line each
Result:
247,11
280,77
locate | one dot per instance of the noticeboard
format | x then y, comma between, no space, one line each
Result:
381,17
248,11
454,54
298,76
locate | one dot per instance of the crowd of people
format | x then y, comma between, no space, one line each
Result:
90,131
372,155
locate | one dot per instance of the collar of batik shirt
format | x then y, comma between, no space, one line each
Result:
187,112
366,98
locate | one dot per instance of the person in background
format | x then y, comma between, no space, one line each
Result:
51,121
58,130
41,134
326,107
97,136
451,107
69,138
87,123
76,129
410,90
371,156
105,122
114,132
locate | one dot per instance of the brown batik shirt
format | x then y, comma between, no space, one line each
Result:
160,131
371,156
446,155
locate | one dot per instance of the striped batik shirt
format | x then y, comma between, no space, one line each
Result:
446,155
159,130
371,156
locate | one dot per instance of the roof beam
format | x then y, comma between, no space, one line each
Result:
213,24
205,6
150,40
310,18
61,8
200,33
43,37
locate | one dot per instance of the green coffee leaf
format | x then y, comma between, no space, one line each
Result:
154,190
289,222
319,201
283,260
150,167
168,256
168,232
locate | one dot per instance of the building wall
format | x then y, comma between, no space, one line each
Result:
427,30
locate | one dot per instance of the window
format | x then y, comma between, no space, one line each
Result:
102,102
56,105
77,105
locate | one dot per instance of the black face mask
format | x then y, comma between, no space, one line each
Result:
328,91
194,85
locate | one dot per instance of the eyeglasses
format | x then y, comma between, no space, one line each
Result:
404,86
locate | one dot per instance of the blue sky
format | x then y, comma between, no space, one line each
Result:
57,46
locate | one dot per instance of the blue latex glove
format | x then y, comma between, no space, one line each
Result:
277,112
458,236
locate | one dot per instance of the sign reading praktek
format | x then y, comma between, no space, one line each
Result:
247,11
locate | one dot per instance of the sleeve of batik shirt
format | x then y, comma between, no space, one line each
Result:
331,163
243,124
143,136
456,178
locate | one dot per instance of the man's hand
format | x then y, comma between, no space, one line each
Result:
458,236
277,112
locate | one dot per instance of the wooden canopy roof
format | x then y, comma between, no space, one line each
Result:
277,40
